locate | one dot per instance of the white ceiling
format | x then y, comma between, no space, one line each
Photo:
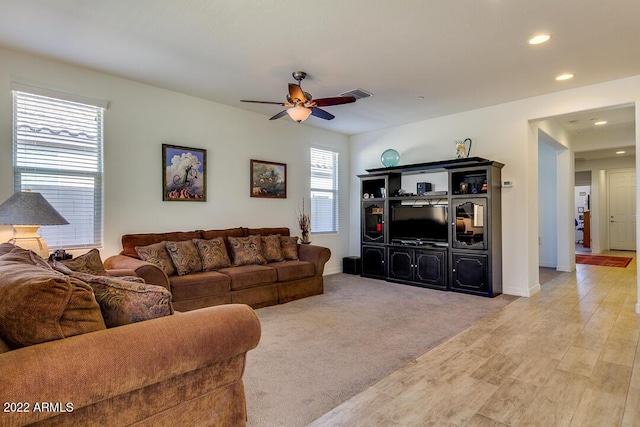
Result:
589,141
420,58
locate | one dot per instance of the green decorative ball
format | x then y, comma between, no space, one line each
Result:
390,158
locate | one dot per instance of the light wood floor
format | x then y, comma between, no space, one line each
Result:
568,356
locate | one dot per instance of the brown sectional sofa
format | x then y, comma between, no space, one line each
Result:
184,369
255,285
61,363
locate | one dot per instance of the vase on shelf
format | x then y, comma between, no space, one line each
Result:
304,221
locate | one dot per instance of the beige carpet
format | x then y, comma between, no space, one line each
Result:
317,352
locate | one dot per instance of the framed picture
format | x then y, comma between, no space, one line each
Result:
268,179
184,176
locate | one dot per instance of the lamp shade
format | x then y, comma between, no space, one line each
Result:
27,208
299,113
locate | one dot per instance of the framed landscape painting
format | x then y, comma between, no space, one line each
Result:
268,179
184,174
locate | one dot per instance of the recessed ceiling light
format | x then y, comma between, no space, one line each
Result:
565,76
620,152
540,38
600,123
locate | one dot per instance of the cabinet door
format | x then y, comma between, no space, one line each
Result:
470,223
430,268
469,273
401,263
373,261
373,222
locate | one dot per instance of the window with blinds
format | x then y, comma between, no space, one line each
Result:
57,151
324,191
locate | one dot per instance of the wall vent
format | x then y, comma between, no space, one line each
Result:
357,93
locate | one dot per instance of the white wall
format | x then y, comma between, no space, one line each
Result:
548,205
501,133
141,118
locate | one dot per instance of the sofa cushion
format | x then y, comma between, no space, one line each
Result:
38,304
289,247
197,285
124,301
157,254
185,256
89,262
293,269
225,233
213,253
271,248
130,241
266,231
246,251
249,276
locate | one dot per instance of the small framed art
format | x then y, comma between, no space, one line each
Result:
268,179
184,173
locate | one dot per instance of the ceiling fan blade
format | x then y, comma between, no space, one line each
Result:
284,104
337,100
315,111
296,93
280,114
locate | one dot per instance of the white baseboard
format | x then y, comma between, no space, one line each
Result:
334,270
520,292
566,268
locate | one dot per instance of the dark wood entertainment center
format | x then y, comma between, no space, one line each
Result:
466,257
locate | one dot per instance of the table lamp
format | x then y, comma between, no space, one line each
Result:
26,212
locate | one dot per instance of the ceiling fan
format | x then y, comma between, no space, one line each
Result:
301,104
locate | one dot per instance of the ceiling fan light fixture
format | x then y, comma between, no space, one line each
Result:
299,113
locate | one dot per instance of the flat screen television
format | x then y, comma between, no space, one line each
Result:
425,222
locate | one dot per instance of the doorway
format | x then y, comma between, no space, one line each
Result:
582,214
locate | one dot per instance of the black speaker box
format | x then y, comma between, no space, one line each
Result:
423,187
351,265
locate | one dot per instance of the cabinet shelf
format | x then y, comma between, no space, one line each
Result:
418,198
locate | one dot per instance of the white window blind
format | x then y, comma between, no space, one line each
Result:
57,151
324,191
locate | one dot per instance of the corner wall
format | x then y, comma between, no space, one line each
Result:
141,118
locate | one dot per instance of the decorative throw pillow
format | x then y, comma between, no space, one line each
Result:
213,253
62,268
5,248
29,257
289,247
246,250
123,302
271,248
40,304
185,256
87,263
158,255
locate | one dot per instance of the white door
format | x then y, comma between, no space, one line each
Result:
622,210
